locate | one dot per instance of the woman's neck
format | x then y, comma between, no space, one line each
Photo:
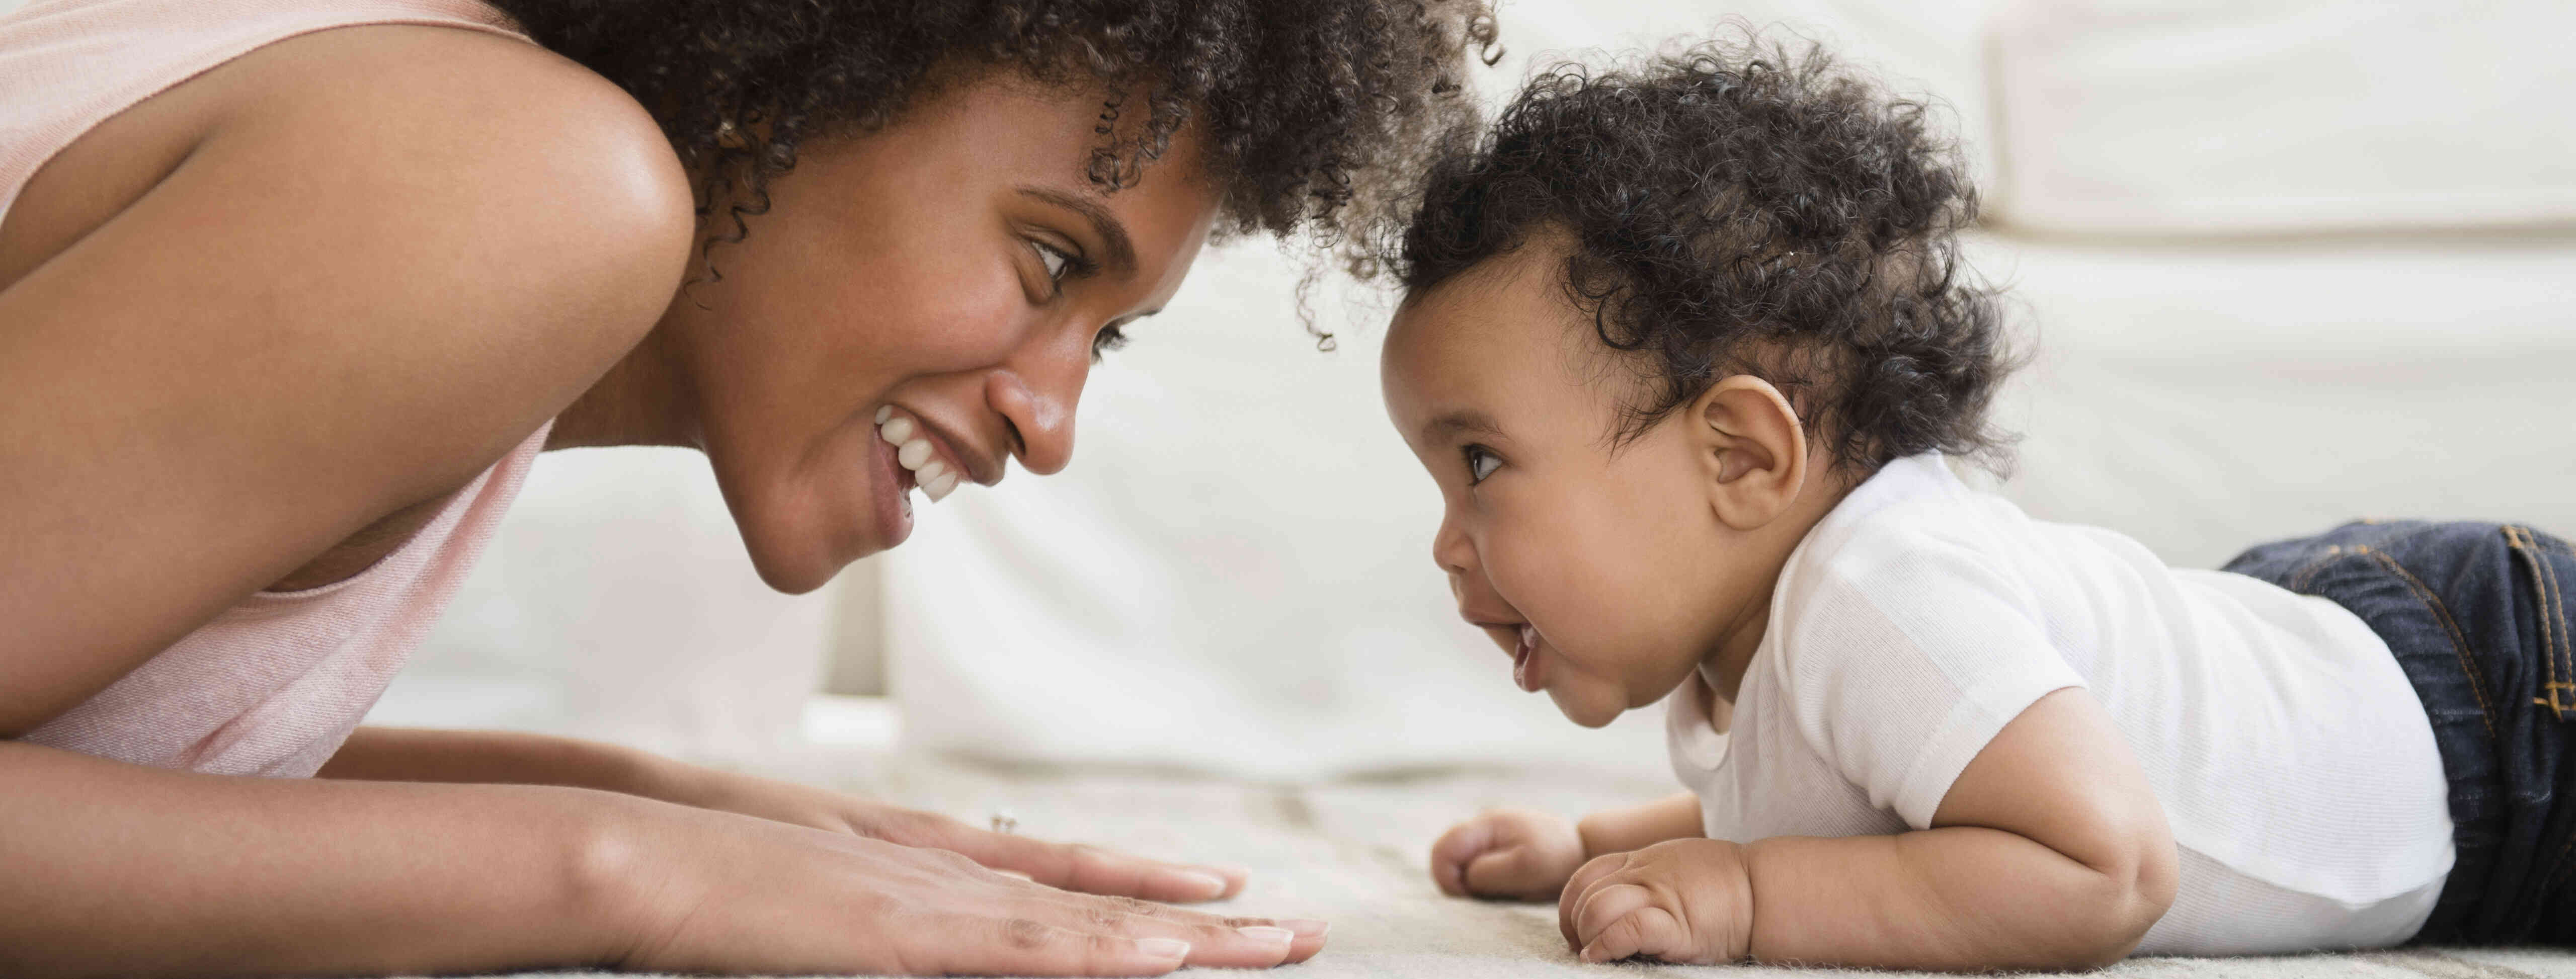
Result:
644,399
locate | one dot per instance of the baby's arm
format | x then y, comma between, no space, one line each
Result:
1673,817
2050,851
1527,854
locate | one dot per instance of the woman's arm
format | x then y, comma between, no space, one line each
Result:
113,869
423,755
397,754
2049,852
110,869
389,254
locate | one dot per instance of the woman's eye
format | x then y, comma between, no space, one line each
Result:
1481,463
1057,261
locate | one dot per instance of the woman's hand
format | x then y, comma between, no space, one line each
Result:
1521,854
517,758
705,891
1688,902
1071,866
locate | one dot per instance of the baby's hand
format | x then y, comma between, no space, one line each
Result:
1509,853
1683,901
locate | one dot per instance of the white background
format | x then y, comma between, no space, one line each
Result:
2284,264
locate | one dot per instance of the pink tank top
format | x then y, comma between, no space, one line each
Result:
273,685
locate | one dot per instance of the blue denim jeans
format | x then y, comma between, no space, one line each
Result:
2477,615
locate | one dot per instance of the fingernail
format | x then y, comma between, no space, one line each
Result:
1163,948
1268,935
1306,927
1213,884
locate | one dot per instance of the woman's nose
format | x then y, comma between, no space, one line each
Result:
1039,400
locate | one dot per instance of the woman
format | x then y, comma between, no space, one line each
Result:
292,292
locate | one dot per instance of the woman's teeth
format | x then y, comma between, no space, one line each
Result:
914,452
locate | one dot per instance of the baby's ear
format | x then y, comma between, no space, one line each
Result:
1752,449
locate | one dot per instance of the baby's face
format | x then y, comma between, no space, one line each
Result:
1604,574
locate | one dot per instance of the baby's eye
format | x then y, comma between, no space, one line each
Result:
1112,337
1481,462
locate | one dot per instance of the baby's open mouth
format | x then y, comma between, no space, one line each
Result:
1521,655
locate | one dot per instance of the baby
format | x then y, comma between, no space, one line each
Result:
1690,352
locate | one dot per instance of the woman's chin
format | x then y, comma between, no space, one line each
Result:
798,575
799,556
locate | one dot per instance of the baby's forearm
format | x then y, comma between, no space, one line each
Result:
115,869
1637,827
1958,899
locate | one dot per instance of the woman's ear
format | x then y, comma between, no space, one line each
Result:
1752,448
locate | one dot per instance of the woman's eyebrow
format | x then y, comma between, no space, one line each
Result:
1122,252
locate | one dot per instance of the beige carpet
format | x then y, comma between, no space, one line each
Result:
1353,853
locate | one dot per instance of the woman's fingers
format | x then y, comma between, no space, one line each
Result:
1232,942
1028,947
1126,887
1088,869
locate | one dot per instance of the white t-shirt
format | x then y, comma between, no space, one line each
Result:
2295,764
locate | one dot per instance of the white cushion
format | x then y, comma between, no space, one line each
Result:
617,603
2268,116
2205,399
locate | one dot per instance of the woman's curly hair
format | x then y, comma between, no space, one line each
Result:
1734,208
1312,109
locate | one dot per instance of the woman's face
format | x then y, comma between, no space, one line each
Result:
951,274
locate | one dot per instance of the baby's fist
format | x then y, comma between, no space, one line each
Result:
1508,853
1688,902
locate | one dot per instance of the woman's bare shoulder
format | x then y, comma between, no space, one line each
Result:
549,167
386,256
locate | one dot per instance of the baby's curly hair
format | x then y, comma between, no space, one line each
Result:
1734,208
1313,109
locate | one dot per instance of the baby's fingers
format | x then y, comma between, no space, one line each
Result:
1462,844
1511,871
1580,887
1620,920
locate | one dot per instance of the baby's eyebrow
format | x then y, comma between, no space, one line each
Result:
1466,420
